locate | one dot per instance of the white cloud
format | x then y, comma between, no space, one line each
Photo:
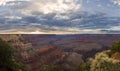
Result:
53,6
61,17
57,30
2,2
116,28
116,2
13,17
74,30
65,12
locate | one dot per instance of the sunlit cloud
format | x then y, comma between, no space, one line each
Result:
54,30
59,16
2,2
115,28
53,6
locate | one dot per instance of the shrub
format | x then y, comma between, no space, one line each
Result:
7,61
102,62
115,47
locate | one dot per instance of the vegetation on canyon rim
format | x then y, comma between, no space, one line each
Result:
7,59
103,61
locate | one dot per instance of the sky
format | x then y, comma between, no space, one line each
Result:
59,16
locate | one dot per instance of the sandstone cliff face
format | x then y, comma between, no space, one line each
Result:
72,60
22,50
32,58
45,56
69,51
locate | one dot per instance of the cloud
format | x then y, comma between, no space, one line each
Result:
3,2
116,2
76,30
79,22
53,30
53,16
115,28
53,6
112,30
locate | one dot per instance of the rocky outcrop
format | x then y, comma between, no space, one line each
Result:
23,51
45,56
72,60
69,51
32,58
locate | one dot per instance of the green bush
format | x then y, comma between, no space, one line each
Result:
84,66
102,62
115,47
7,61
